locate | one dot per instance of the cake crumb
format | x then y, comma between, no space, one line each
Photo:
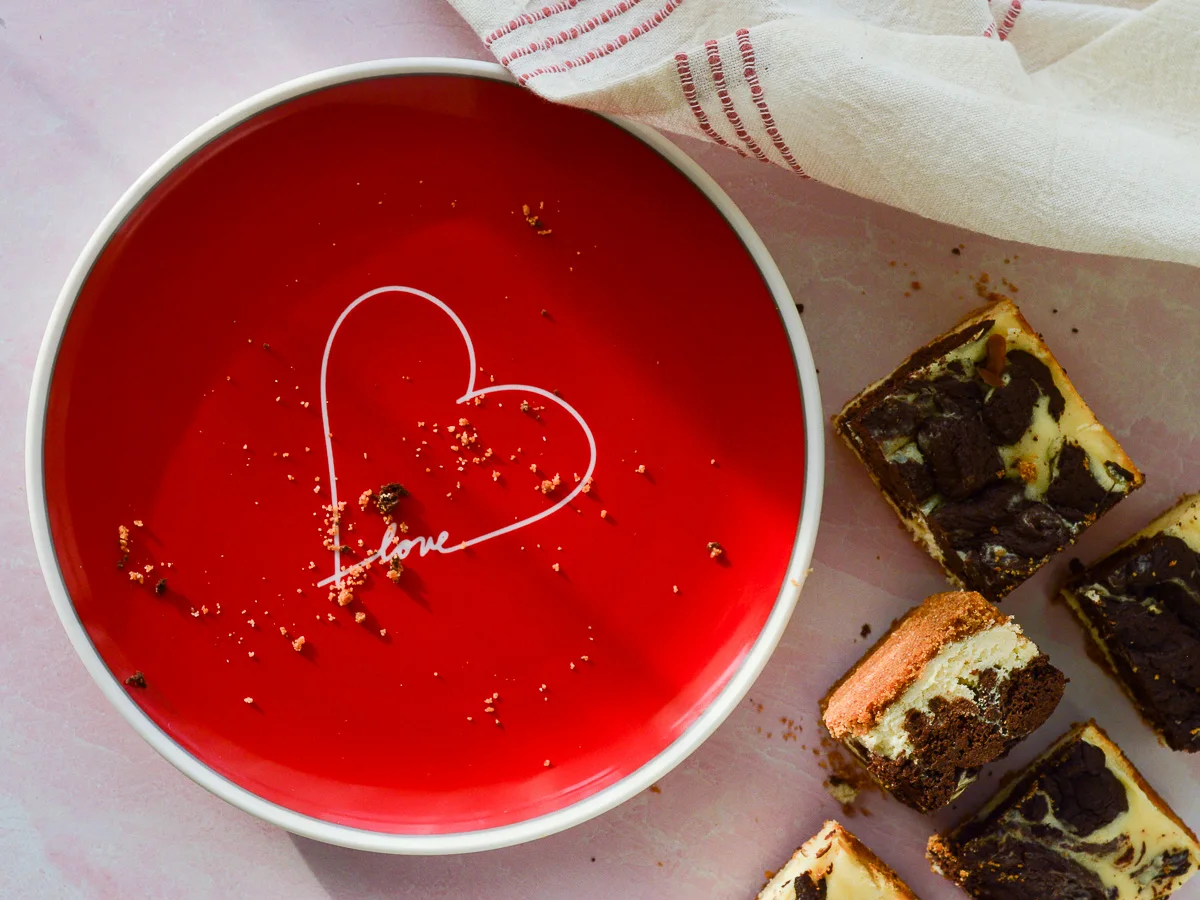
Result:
604,513
383,632
161,587
395,569
138,577
247,700
137,680
360,617
675,589
841,790
714,549
641,470
389,496
298,643
992,372
555,567
1028,470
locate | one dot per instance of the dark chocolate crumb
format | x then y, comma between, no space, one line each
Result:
137,680
161,587
956,251
807,888
866,630
266,346
124,559
546,313
800,308
389,495
1074,331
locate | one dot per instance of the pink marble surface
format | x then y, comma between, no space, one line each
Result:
92,92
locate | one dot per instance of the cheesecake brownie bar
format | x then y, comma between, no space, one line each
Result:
986,451
1141,605
1079,823
951,687
834,865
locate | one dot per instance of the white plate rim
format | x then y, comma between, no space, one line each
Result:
365,839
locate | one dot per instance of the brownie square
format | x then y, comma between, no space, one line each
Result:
1141,605
986,451
834,865
1079,824
951,687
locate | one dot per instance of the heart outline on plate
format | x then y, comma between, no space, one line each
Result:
429,544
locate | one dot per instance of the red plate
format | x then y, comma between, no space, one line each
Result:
337,286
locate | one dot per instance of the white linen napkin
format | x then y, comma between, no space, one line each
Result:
1074,125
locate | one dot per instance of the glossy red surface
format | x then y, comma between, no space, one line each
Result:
186,395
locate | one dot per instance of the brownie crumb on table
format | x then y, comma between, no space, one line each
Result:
840,789
714,549
986,451
160,587
137,680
